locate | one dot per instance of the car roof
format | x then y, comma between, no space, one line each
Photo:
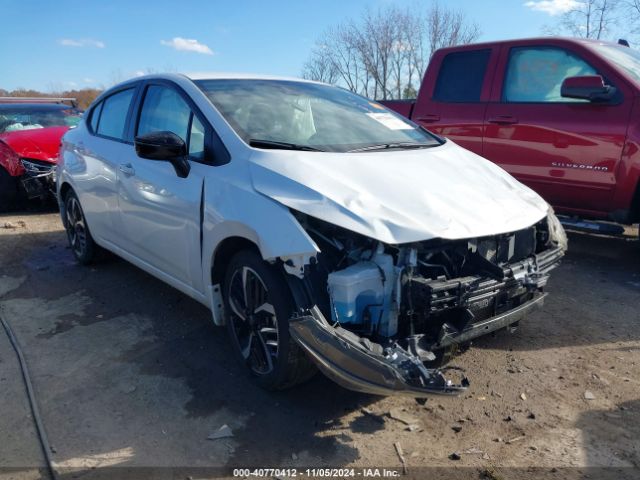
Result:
21,107
241,76
195,76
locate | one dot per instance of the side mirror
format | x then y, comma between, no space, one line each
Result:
164,146
587,87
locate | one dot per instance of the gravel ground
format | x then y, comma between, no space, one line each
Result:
128,372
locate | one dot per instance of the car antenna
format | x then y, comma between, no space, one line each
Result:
623,42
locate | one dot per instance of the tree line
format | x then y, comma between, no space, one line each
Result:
83,96
384,53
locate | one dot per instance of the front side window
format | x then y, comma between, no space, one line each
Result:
165,110
305,115
113,116
461,77
536,74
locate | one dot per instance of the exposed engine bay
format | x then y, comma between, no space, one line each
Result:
384,313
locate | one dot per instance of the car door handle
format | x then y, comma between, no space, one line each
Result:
127,169
428,118
503,120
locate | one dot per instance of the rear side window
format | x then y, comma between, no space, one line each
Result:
535,74
461,77
113,116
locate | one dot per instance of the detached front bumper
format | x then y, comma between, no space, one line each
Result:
39,178
361,365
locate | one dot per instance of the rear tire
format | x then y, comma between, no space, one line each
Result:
8,190
80,240
258,305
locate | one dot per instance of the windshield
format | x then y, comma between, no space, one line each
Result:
27,117
310,116
625,57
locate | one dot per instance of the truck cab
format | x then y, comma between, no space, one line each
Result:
559,114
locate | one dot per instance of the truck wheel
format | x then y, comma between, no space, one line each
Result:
80,239
258,305
8,190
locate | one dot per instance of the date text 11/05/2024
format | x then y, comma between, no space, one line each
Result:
317,472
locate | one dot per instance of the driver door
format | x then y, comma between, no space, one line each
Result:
159,211
565,149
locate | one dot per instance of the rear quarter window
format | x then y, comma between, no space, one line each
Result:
113,115
95,116
461,76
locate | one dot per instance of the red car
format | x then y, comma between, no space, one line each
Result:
30,133
559,114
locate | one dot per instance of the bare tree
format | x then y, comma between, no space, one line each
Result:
384,54
320,66
631,10
590,19
448,27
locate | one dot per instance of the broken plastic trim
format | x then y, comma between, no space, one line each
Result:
450,336
39,178
358,364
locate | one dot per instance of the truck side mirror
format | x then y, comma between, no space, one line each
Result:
587,87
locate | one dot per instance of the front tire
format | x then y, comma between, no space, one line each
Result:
80,240
258,305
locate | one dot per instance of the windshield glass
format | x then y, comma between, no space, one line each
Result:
309,116
625,57
27,117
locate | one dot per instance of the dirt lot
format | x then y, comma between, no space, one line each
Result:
129,372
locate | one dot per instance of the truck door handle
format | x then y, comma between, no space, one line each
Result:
428,118
127,169
503,120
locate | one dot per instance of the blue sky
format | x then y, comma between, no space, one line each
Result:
87,43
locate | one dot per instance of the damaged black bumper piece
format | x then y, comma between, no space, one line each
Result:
449,335
39,178
361,365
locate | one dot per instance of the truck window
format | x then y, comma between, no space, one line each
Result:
461,76
535,74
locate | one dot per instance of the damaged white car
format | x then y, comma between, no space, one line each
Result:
323,229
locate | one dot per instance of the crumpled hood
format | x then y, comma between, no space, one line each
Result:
400,196
37,143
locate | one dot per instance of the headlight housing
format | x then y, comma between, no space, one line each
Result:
37,168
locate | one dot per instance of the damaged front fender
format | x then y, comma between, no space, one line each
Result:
358,364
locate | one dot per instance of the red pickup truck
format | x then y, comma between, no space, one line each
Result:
562,115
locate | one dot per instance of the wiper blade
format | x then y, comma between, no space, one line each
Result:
387,146
258,143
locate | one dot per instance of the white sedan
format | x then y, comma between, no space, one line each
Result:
321,228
